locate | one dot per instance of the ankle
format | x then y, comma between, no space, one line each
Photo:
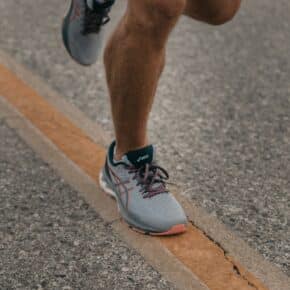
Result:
118,155
119,152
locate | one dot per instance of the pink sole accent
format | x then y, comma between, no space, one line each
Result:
175,230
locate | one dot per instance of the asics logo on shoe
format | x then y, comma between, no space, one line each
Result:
134,188
141,158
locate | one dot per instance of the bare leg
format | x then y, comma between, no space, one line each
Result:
135,55
214,12
134,59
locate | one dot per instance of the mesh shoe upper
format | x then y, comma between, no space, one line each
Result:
140,186
82,33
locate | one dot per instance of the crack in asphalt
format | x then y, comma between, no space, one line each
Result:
226,255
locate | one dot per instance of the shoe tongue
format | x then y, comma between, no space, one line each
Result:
99,3
91,3
141,156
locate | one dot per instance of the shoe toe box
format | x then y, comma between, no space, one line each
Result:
160,213
84,49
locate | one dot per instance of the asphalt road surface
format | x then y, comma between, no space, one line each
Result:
50,238
221,119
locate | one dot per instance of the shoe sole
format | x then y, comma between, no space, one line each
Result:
174,230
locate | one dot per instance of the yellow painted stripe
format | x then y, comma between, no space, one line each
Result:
194,249
60,130
209,262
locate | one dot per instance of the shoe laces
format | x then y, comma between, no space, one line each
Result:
152,179
96,17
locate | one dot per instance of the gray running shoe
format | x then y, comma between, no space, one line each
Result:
82,29
139,186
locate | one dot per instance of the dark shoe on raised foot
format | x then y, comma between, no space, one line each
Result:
82,29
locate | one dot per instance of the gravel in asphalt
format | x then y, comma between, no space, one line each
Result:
51,239
221,116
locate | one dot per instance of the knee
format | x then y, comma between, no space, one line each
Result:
156,13
224,13
168,9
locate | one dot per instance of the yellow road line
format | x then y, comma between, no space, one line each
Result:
209,262
194,249
60,130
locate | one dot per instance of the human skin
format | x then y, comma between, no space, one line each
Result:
135,57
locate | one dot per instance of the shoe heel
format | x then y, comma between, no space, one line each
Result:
105,187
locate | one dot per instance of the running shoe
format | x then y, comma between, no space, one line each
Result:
82,29
139,186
